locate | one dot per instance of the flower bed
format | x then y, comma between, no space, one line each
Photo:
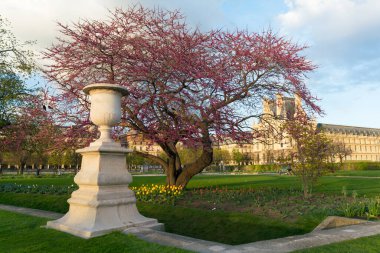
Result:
158,193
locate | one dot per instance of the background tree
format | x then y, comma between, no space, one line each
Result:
188,155
237,156
221,155
341,151
31,135
70,158
16,63
186,86
313,153
134,161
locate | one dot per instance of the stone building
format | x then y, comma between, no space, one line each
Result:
363,142
138,142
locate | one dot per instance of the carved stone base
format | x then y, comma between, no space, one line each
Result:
103,202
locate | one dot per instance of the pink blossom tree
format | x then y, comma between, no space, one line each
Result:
33,133
186,86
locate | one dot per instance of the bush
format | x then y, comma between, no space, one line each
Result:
363,208
361,166
39,189
262,168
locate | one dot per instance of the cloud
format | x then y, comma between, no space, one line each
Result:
344,42
357,106
36,19
332,20
344,39
343,29
343,34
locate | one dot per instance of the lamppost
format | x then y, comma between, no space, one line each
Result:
103,202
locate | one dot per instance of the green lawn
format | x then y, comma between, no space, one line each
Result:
360,173
22,233
369,244
214,225
327,184
205,224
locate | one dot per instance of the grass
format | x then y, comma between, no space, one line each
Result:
31,237
55,203
369,244
327,184
22,233
219,226
198,223
358,173
237,225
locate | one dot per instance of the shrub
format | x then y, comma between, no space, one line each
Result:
262,168
364,208
373,207
361,165
39,189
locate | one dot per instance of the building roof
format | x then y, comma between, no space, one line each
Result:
349,129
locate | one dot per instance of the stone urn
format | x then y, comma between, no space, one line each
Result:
105,111
103,202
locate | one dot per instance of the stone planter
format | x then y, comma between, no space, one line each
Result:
103,202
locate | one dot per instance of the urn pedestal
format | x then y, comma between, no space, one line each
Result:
103,202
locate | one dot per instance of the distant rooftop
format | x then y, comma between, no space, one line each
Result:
349,129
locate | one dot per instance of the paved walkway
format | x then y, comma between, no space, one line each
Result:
32,212
286,244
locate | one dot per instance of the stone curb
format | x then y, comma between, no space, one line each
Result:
286,244
32,212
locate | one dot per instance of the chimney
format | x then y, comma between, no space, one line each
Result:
279,105
266,106
297,104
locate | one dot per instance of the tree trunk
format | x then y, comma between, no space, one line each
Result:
305,186
192,169
179,175
38,169
21,168
171,171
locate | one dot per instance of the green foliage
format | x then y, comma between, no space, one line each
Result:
361,165
55,158
373,207
189,155
262,168
70,157
11,92
220,155
15,64
239,157
355,209
40,189
313,154
361,208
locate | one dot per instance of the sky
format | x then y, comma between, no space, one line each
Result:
343,38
